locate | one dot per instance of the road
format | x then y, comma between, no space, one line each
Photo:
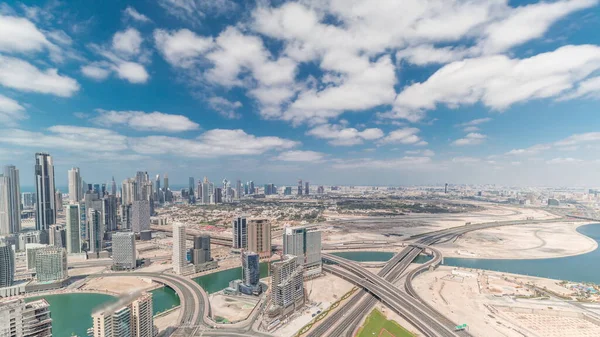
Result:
348,317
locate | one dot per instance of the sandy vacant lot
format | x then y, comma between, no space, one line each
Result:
486,302
120,285
521,242
233,308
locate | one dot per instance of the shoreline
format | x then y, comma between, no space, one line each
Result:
587,238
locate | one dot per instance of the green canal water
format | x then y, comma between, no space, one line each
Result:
71,313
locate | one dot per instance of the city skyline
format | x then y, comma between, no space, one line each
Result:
245,94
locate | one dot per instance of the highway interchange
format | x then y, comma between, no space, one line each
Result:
195,318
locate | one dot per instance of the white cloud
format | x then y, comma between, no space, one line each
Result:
95,72
580,138
400,164
340,136
563,161
472,138
135,15
475,122
125,57
589,88
300,156
425,153
21,35
535,149
67,138
225,107
127,42
132,72
151,121
403,136
498,81
465,160
365,85
11,111
193,11
21,75
212,143
528,22
181,48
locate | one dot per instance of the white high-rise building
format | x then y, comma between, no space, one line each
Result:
180,263
287,285
10,201
75,188
51,264
130,316
140,216
73,226
95,229
24,319
45,192
123,247
306,245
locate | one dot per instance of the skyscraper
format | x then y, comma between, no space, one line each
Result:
251,273
299,186
25,319
51,264
142,320
10,203
113,187
306,245
128,191
44,188
240,233
109,212
201,251
287,284
7,265
28,199
206,191
192,196
140,216
306,188
95,228
57,236
130,316
158,193
259,237
140,180
73,228
123,245
238,189
75,189
179,249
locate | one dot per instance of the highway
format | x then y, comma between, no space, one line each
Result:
407,305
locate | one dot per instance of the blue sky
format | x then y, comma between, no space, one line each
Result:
332,91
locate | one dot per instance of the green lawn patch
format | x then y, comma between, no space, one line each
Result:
377,325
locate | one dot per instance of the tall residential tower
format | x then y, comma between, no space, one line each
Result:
44,187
